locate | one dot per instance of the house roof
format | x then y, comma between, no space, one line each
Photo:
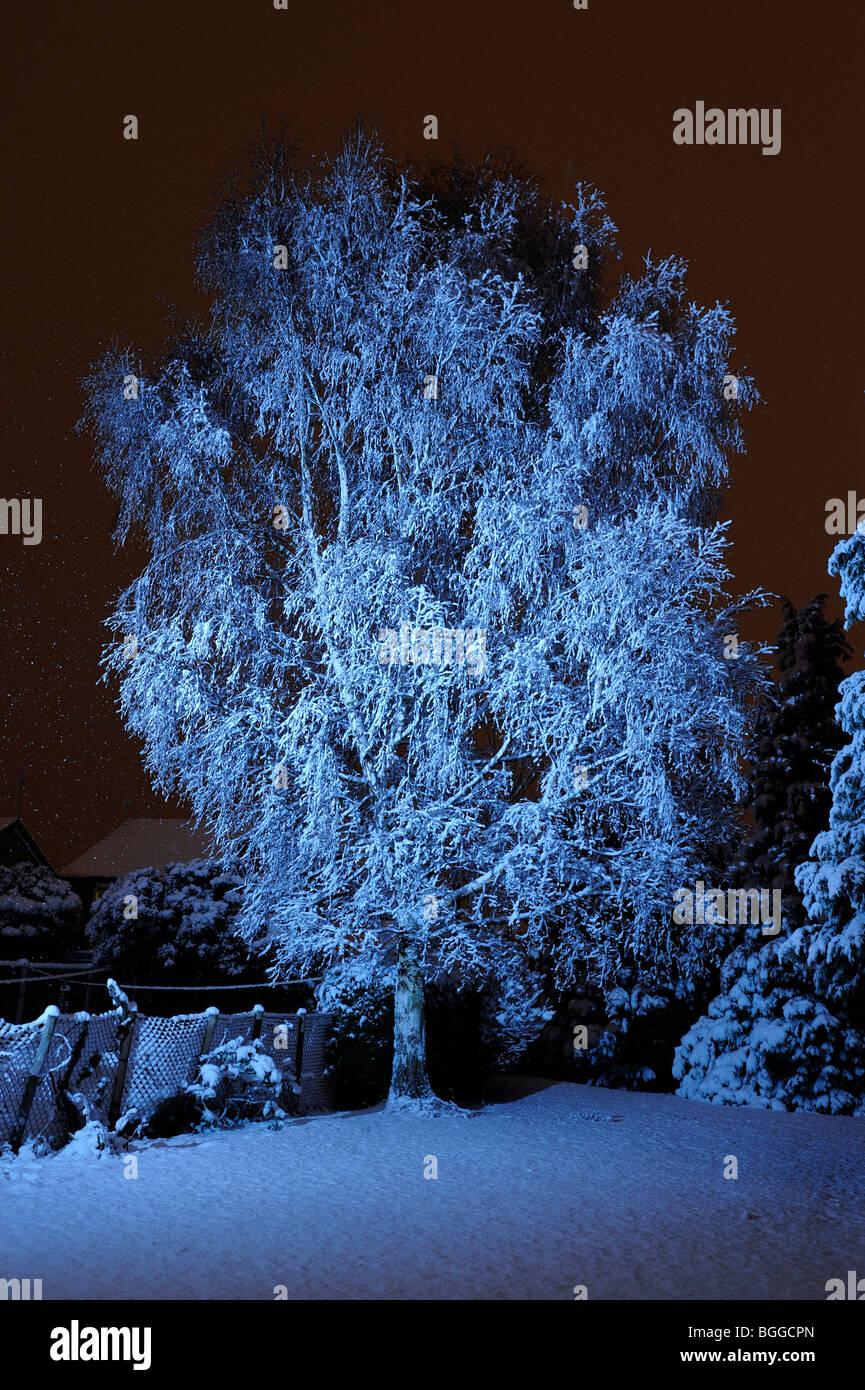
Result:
140,844
17,845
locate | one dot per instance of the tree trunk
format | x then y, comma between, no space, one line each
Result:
409,1080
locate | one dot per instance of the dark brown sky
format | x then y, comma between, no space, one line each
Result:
97,234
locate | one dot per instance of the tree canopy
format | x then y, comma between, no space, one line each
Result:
434,634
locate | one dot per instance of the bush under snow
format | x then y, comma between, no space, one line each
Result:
768,1040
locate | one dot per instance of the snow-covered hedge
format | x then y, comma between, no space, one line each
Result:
39,913
172,926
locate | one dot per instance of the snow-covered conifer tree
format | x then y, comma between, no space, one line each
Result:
796,739
787,1030
433,634
833,881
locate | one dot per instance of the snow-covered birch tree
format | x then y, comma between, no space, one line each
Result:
433,635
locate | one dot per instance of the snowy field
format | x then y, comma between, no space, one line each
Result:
621,1192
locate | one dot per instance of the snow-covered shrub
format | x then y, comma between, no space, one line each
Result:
769,1041
784,1032
552,1052
513,1012
359,1052
33,1148
172,926
833,888
240,1081
624,1037
40,916
91,1141
635,1049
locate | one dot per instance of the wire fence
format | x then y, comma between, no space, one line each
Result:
123,1061
27,987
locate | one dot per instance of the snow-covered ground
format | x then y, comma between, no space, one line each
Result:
569,1185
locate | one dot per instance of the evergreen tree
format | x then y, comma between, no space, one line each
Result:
832,882
797,738
432,633
788,1029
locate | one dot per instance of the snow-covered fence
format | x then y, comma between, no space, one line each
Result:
124,1060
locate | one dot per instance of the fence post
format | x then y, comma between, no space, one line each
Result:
51,1015
128,1024
257,1016
22,990
63,1101
211,1014
301,1020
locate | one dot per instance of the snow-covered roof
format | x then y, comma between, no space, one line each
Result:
17,844
140,844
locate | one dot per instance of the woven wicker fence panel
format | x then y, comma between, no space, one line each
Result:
84,1057
18,1044
163,1055
231,1026
44,1118
98,1060
315,1092
279,1035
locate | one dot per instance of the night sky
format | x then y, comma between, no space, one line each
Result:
98,232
